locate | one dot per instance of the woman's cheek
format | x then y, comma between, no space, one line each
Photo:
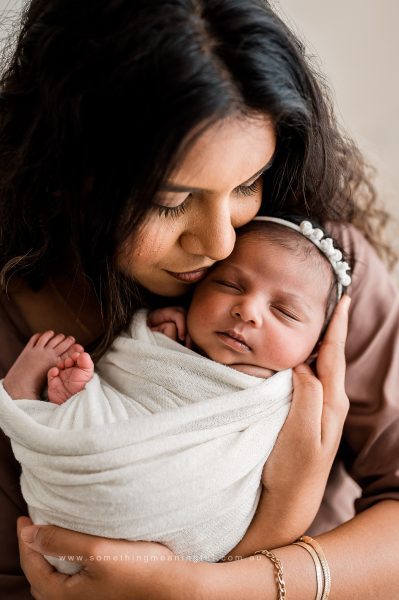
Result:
246,210
143,251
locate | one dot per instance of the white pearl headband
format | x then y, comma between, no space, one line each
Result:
324,244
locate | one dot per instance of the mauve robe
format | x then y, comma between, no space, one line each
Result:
369,450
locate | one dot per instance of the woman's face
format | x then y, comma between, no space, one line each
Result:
215,189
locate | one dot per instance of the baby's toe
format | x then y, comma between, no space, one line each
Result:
64,345
44,339
56,340
33,340
77,348
71,350
85,362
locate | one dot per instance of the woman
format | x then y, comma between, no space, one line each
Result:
133,140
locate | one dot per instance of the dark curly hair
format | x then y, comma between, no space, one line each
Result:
97,102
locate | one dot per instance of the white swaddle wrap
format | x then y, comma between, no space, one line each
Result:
163,445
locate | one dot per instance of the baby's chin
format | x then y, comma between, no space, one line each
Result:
248,369
253,370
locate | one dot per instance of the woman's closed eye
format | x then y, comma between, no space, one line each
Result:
248,190
167,209
173,211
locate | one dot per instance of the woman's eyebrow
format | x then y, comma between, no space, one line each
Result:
175,187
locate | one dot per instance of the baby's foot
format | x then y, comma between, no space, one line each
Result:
27,376
70,377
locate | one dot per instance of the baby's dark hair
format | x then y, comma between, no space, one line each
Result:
299,244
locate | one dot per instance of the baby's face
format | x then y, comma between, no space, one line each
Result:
261,307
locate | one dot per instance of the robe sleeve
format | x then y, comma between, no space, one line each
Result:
370,445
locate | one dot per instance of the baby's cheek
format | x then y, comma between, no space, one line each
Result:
202,311
196,323
287,351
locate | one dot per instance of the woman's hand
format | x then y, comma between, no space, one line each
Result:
296,473
111,568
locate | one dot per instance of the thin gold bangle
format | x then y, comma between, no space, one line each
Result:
323,561
317,565
279,575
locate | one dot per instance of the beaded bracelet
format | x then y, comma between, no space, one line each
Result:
279,575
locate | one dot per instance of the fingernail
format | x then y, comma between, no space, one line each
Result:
28,534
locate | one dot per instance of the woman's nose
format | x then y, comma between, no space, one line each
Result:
249,311
211,233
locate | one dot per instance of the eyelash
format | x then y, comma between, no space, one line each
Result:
177,211
286,313
173,211
248,190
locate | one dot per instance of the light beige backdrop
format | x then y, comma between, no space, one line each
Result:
358,49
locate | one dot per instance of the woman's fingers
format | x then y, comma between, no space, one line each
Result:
307,402
27,554
132,572
331,356
55,541
296,459
319,404
36,568
331,367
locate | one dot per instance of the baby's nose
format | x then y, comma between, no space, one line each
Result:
249,312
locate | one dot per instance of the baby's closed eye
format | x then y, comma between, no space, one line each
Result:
286,312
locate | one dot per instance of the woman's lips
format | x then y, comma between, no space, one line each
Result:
190,276
234,341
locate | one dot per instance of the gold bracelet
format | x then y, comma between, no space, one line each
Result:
279,575
323,561
317,564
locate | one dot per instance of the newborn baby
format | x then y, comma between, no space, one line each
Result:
259,312
264,308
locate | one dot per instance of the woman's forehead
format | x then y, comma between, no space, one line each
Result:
231,151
